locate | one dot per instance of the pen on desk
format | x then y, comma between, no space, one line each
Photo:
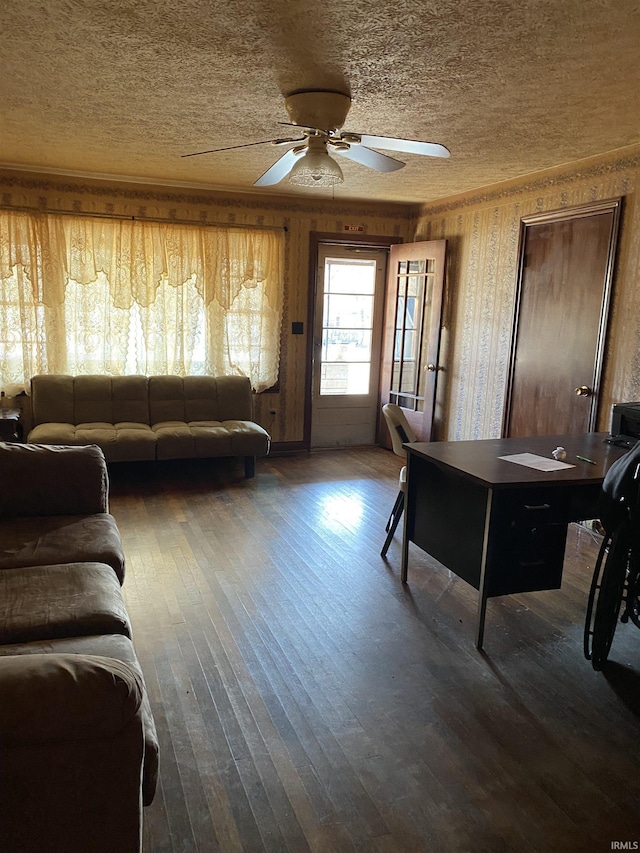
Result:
584,459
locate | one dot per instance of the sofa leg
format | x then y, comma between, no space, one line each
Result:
249,466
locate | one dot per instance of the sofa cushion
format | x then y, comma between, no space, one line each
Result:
248,438
211,439
54,433
174,440
110,399
52,480
52,399
202,439
120,442
64,399
47,540
70,600
71,754
66,696
199,398
180,440
109,646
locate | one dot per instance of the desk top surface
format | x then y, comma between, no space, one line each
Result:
480,460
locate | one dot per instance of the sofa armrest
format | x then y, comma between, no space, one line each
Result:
43,479
71,754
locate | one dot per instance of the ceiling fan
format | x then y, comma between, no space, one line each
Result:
320,115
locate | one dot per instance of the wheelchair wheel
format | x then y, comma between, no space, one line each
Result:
605,599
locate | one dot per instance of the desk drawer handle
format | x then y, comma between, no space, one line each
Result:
534,508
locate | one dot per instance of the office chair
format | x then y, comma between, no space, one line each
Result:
401,433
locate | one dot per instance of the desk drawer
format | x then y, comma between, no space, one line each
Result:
527,559
529,530
532,506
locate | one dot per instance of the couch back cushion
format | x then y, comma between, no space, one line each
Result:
52,399
92,400
140,399
130,399
199,398
52,480
89,399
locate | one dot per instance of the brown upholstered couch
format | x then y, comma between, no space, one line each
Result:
78,745
137,418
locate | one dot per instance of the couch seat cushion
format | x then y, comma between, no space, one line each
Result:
48,540
70,600
202,439
120,442
53,433
109,646
175,440
197,440
248,438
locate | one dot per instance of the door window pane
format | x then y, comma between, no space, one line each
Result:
346,345
348,277
347,326
348,311
344,378
414,287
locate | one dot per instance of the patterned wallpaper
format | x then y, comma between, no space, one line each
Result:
482,230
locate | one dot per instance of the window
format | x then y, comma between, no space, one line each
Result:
97,295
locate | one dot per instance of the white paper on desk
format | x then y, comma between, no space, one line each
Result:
540,463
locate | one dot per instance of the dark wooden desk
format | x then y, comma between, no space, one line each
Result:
500,526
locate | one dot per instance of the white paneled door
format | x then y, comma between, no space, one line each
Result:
347,345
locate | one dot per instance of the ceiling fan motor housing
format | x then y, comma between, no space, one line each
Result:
321,110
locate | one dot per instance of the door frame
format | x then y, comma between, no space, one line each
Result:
612,205
358,241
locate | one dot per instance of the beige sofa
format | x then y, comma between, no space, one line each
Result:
78,745
138,418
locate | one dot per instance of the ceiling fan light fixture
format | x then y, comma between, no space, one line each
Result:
316,169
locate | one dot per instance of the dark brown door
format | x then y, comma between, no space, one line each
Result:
566,271
411,344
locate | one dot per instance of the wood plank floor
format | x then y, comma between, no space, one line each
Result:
306,701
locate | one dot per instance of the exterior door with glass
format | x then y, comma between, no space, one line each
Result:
412,332
347,345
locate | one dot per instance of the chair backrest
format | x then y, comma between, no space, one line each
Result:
399,428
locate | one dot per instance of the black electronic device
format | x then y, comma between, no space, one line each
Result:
625,424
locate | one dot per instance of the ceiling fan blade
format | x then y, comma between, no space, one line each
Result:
245,145
279,170
317,131
408,146
373,159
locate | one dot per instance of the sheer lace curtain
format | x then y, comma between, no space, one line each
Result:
92,295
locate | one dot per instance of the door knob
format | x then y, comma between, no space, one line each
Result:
431,367
583,391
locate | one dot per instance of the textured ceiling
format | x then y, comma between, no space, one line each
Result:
124,87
